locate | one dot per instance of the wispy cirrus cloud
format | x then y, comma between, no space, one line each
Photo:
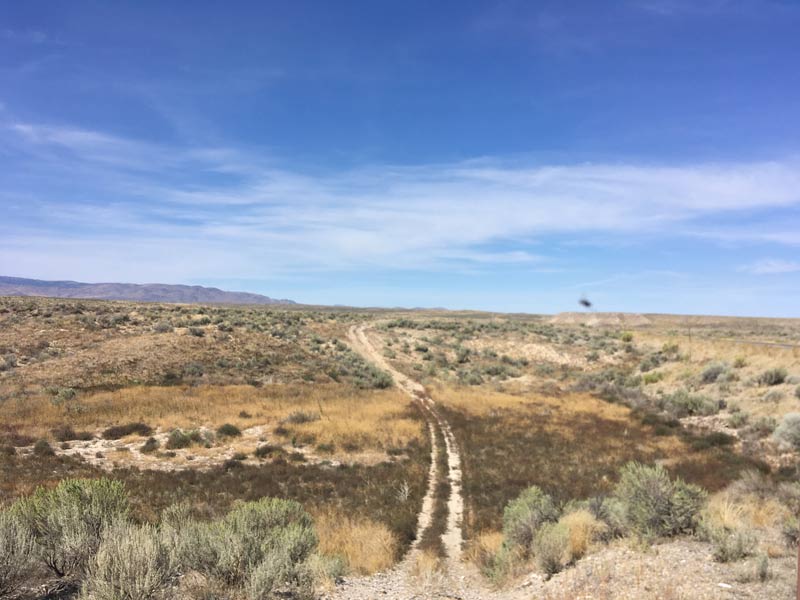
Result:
771,266
28,36
94,197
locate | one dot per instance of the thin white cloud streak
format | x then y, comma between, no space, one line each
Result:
268,219
772,266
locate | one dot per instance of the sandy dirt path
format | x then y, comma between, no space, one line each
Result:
457,580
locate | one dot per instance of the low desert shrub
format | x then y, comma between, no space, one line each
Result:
256,548
763,426
738,419
133,562
271,531
177,440
611,513
65,433
268,450
790,531
150,446
551,547
523,517
654,504
787,434
68,521
797,392
730,544
652,377
16,553
714,439
772,376
711,373
228,430
299,417
774,396
63,395
325,570
119,431
682,403
273,572
8,362
162,327
43,448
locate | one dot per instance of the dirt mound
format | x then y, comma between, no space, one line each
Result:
600,319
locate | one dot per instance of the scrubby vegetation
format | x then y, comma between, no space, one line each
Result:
620,427
83,533
645,502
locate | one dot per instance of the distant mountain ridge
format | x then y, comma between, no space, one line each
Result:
147,292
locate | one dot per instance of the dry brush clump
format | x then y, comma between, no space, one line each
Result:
646,503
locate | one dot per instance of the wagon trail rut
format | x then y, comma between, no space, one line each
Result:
457,579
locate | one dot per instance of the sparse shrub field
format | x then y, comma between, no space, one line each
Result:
570,437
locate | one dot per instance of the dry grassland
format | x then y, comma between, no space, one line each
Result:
329,414
572,445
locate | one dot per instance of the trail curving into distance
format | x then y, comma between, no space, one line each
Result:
452,538
458,580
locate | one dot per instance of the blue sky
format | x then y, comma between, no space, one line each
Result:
492,155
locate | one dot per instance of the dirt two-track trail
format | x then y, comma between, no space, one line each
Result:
456,580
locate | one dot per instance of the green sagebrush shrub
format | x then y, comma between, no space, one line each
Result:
133,562
550,547
258,546
16,553
656,505
772,376
787,434
730,544
524,515
67,522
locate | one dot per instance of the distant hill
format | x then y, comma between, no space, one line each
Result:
598,319
148,292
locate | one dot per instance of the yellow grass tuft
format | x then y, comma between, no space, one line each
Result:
583,529
723,512
427,569
735,511
366,546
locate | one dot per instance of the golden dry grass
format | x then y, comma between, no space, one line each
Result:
732,511
365,545
481,401
483,547
583,529
367,418
427,568
557,413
